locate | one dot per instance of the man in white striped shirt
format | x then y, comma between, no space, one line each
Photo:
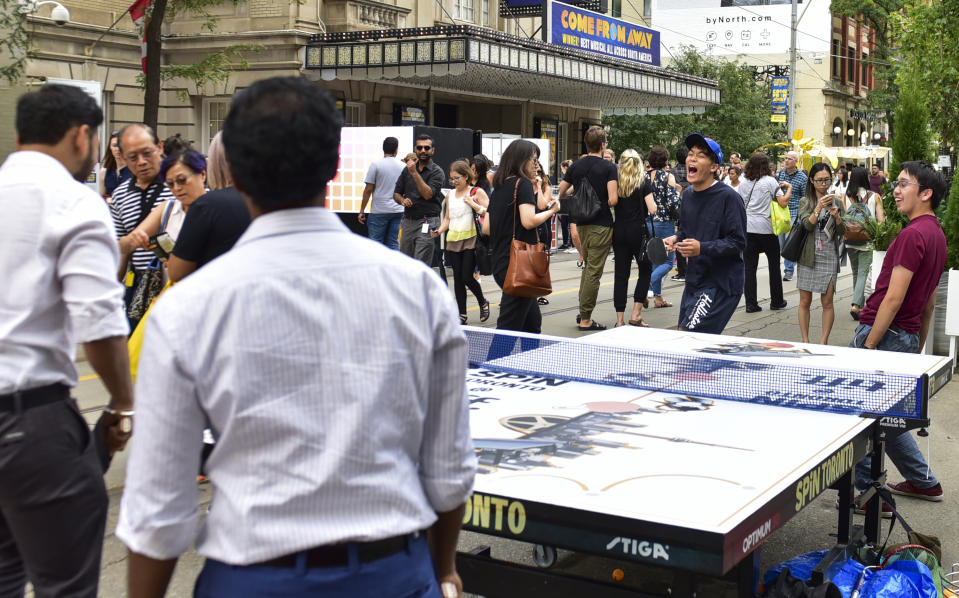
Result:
332,371
133,199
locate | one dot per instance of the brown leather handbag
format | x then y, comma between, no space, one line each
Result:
528,272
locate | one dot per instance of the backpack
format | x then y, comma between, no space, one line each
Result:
582,205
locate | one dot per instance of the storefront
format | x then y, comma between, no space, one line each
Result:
481,79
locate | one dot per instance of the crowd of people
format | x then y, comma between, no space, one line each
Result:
258,344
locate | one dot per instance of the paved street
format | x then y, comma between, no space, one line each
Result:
808,531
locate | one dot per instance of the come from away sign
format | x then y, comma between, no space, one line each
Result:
583,29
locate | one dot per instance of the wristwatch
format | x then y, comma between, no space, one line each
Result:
125,424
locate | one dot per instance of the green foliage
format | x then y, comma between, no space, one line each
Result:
880,234
214,68
930,56
15,45
913,139
950,226
740,124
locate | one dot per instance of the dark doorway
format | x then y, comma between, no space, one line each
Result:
445,115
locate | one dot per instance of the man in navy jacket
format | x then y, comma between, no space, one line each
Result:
712,236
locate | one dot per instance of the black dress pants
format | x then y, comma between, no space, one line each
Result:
517,313
626,248
53,503
768,244
463,263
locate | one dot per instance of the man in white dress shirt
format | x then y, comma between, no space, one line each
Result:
58,261
332,371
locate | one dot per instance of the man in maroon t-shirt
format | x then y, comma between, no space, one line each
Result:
897,315
876,179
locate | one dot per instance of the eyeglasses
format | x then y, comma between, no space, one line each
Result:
145,154
180,181
897,182
455,179
423,147
822,181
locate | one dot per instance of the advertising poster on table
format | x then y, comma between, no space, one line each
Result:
582,29
732,27
780,101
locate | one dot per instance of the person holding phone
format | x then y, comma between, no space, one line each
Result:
818,266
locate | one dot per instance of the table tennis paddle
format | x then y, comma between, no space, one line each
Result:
656,251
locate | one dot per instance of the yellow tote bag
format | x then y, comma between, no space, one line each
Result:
135,342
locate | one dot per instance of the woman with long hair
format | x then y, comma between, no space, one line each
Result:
630,236
758,191
479,168
113,170
841,182
818,265
509,219
664,225
862,202
544,195
459,223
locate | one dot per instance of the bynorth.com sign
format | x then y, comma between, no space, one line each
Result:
582,29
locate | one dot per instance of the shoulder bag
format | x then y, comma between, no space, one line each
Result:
582,205
484,262
150,284
528,272
792,248
779,216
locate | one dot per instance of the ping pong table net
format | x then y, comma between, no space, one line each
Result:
731,375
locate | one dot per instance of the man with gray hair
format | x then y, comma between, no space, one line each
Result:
793,175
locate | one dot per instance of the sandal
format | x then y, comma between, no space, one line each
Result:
639,322
593,326
542,300
463,319
659,302
484,312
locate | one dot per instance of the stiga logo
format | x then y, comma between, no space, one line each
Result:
893,422
642,548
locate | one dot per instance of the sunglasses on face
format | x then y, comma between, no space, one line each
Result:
423,148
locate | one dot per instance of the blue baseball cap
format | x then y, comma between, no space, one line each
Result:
693,138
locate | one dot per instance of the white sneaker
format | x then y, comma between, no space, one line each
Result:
571,250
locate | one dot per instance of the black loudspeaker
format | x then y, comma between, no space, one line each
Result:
450,144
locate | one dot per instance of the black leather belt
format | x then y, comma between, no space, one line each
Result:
337,555
35,397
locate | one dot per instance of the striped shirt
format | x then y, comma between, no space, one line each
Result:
332,425
126,200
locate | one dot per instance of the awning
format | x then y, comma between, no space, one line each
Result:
482,62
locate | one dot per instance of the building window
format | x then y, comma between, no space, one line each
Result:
355,114
485,8
647,8
865,71
463,10
851,65
617,8
214,113
836,58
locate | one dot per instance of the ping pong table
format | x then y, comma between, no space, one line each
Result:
677,450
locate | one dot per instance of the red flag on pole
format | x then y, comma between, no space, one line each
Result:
138,12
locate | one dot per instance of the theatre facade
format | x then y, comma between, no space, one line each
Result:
447,63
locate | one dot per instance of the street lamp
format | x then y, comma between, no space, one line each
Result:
850,132
837,131
59,15
876,136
